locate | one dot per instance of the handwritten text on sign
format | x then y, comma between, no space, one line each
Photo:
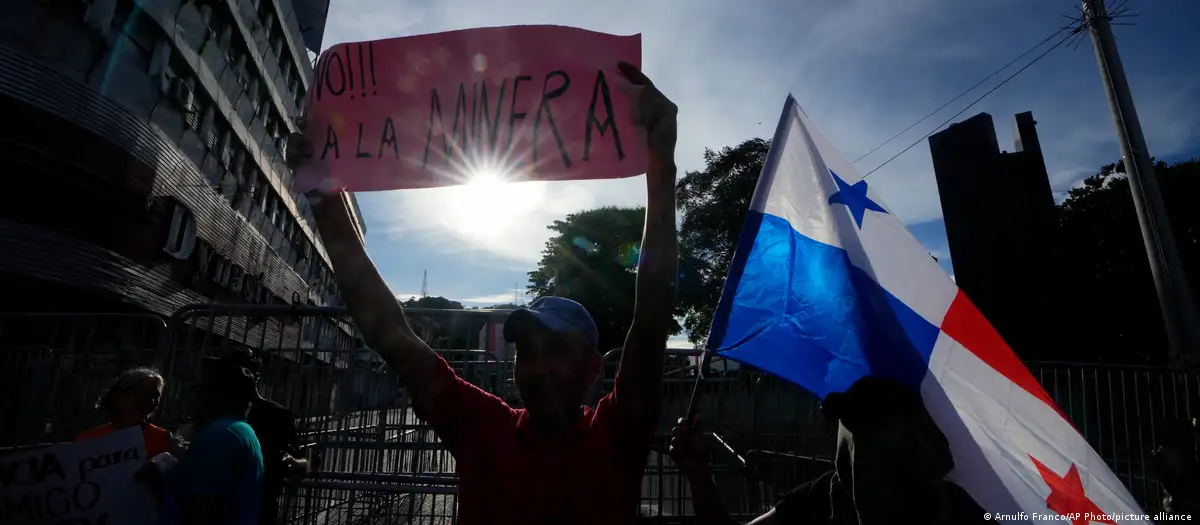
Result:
529,102
85,483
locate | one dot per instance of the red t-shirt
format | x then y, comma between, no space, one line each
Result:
591,474
154,437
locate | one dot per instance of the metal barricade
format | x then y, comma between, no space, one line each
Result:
377,463
56,365
770,436
374,461
1119,410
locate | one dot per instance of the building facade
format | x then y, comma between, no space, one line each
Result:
1001,224
142,152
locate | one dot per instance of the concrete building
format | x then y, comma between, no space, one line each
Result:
1001,224
141,147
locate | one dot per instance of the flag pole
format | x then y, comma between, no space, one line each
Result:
694,402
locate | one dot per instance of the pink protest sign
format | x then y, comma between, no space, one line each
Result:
521,102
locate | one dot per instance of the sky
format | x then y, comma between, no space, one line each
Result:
863,70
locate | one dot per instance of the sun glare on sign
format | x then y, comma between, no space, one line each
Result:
488,204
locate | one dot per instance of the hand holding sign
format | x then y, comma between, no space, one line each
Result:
654,112
531,102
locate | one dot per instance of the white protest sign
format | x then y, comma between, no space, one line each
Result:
85,483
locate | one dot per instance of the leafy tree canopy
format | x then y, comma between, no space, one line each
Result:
592,258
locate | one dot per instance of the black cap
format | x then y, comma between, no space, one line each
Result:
238,356
232,382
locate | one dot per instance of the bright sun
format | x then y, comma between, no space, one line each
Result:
487,204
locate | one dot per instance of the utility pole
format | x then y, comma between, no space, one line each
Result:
1174,295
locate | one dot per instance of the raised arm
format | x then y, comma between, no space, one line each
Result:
639,379
375,310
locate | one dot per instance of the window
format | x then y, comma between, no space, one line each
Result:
215,133
137,28
252,95
230,152
285,224
259,196
266,13
237,64
273,210
277,125
230,186
277,44
264,100
249,167
195,107
220,28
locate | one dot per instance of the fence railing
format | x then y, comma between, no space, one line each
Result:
377,463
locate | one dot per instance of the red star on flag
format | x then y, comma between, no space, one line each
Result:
1067,497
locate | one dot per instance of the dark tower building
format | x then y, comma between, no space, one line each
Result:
1001,223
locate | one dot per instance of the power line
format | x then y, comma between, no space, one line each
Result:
977,100
964,93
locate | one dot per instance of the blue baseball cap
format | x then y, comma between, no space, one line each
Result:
559,314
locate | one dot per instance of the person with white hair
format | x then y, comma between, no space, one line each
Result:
131,400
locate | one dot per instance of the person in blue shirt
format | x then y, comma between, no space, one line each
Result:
218,481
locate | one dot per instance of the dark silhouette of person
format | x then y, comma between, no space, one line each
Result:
554,461
130,401
890,467
275,427
218,480
1177,465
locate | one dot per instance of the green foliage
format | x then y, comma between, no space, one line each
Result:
592,258
433,303
449,330
714,203
1111,306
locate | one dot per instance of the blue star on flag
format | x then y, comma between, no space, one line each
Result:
855,198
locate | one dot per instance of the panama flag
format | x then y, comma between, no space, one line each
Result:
827,286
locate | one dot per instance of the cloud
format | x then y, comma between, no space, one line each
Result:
680,342
488,300
507,220
717,110
862,69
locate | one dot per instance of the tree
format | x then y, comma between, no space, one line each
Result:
1111,307
505,306
714,203
592,259
432,303
444,330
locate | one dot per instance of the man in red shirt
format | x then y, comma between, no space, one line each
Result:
556,461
